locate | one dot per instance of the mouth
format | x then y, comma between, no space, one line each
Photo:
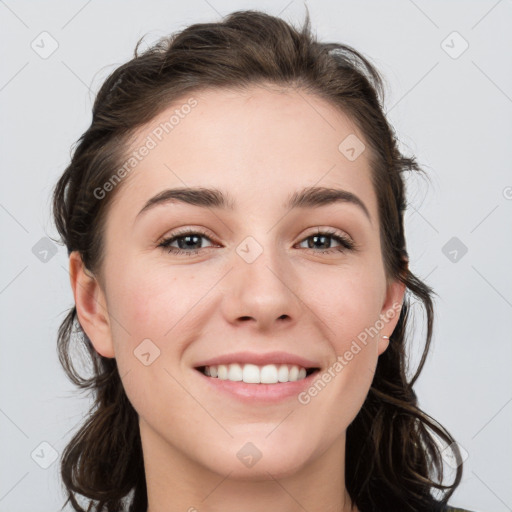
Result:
257,374
263,378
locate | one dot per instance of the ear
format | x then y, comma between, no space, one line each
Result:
91,306
390,312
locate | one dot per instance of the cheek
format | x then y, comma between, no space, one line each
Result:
148,309
349,302
150,301
350,314
156,310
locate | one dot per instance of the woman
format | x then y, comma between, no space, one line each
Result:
234,220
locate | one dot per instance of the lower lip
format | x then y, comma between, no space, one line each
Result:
266,393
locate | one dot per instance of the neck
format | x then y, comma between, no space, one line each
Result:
175,483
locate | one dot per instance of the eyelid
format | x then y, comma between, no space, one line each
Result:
187,231
334,233
344,239
209,234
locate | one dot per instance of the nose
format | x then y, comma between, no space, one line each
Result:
262,293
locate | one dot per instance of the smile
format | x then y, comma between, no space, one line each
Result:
254,374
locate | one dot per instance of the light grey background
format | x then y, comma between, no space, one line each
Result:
454,114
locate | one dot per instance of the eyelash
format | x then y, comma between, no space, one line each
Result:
345,243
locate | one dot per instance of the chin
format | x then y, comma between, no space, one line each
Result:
259,458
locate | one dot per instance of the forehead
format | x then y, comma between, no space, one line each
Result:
260,140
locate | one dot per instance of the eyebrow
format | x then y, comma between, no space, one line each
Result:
309,197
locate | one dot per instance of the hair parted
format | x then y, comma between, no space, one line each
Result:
393,461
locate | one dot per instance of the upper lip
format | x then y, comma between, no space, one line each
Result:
260,359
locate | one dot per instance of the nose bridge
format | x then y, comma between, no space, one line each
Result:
261,284
260,265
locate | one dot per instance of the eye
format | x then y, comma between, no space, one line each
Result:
188,242
323,238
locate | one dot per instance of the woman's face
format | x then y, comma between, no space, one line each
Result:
259,272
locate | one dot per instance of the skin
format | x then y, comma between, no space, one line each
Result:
259,146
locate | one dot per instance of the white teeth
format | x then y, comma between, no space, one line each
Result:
222,372
253,374
283,374
268,374
235,372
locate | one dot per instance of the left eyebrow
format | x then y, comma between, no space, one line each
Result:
309,197
316,197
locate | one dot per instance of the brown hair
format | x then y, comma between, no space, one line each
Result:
393,461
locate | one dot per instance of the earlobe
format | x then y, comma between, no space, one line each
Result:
390,312
91,306
382,344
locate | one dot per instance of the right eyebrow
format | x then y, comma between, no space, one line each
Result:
204,197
